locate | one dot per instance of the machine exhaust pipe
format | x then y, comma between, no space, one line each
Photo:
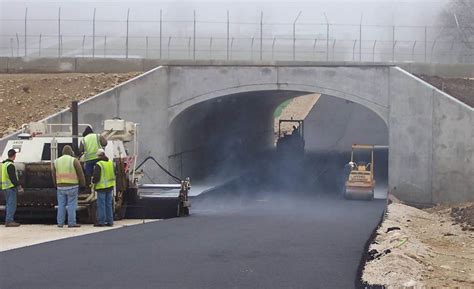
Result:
75,127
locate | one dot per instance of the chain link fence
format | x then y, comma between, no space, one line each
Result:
198,39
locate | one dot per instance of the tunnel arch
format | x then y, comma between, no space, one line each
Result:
191,85
298,89
200,116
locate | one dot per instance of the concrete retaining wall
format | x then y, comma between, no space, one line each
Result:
431,143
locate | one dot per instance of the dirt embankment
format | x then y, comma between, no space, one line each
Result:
460,88
31,97
432,248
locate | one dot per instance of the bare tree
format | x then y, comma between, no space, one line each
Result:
457,25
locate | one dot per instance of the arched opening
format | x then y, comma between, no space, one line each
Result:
221,139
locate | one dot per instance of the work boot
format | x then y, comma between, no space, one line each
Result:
109,225
60,226
12,224
74,226
99,225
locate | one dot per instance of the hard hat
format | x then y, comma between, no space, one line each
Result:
100,152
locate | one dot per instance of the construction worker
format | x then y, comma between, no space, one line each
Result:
68,178
11,186
103,179
89,146
347,170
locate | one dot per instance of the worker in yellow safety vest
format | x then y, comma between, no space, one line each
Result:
91,142
103,179
68,177
11,187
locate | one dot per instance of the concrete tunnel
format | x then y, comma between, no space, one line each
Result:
219,139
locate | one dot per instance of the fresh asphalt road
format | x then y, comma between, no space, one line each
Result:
312,242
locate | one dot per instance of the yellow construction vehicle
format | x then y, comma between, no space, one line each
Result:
360,183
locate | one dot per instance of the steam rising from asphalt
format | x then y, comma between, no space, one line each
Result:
231,142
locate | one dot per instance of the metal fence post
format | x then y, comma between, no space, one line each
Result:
39,46
314,48
251,49
161,30
273,46
61,44
83,43
327,36
333,49
294,36
126,39
59,32
393,43
353,50
261,35
169,43
432,51
228,34
26,15
17,45
189,47
453,58
194,34
426,41
11,45
146,40
93,35
210,49
413,51
373,51
360,37
393,50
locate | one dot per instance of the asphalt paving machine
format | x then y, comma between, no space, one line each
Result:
291,144
39,144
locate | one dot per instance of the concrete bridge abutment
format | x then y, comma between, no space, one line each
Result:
430,134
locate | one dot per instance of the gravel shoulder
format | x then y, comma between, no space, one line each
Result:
431,248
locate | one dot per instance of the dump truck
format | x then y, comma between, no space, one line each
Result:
360,183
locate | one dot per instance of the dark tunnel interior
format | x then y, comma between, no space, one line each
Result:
232,140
